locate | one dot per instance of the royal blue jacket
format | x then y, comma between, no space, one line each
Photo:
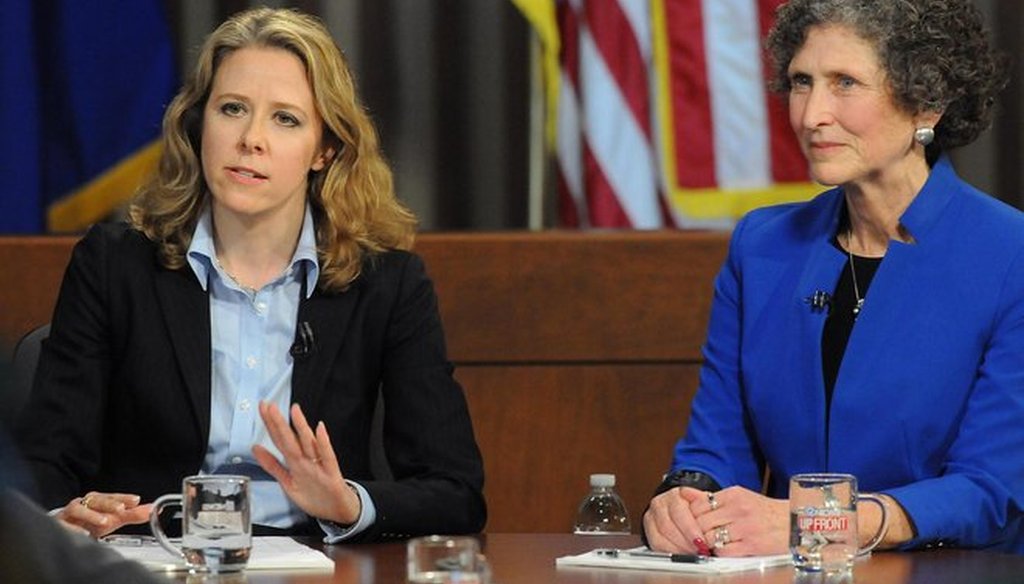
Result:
929,402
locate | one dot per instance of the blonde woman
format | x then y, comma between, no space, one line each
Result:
249,315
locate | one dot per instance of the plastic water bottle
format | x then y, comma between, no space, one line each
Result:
602,510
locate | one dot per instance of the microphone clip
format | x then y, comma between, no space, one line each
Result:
305,343
819,301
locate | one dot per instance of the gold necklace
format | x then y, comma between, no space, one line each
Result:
247,289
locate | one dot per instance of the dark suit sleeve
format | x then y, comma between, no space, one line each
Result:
120,401
59,432
428,436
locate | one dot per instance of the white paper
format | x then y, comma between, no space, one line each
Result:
268,553
714,565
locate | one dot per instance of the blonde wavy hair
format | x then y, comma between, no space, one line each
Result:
353,202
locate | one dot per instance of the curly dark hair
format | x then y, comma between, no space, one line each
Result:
936,55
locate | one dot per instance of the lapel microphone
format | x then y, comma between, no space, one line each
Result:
305,343
819,301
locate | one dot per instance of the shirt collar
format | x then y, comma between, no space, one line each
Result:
201,253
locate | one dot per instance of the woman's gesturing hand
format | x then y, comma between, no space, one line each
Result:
309,474
98,514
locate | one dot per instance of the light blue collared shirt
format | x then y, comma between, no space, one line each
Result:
251,336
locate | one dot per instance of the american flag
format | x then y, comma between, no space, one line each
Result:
661,114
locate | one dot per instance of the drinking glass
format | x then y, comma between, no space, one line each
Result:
439,559
823,522
216,526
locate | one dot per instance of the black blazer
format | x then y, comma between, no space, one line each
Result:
121,400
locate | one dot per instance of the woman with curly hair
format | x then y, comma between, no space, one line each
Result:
878,329
248,317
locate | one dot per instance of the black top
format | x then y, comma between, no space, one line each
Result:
840,321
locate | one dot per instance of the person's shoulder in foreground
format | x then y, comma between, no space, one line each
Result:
39,550
35,548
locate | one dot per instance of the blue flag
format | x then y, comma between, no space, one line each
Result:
85,87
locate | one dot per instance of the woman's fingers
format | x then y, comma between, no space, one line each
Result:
137,514
298,443
739,522
280,432
306,452
681,515
294,444
661,534
329,460
304,434
670,526
272,465
102,513
109,502
309,472
80,512
701,502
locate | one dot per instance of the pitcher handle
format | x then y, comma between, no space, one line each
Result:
883,527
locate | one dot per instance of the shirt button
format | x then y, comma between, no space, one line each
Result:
251,362
244,405
261,307
236,460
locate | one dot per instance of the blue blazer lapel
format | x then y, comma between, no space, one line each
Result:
901,287
186,311
823,265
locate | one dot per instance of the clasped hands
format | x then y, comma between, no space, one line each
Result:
309,475
733,522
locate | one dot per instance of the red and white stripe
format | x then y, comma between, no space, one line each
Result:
730,133
739,116
620,164
607,161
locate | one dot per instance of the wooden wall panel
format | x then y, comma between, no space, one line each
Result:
574,296
31,269
504,297
544,429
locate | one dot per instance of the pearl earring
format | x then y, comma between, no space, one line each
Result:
924,136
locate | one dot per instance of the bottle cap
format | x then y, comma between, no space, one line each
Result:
602,480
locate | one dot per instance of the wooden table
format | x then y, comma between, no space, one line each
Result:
530,559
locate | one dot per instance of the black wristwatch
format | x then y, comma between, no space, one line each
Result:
688,478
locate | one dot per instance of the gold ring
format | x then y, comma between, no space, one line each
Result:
84,501
722,537
712,501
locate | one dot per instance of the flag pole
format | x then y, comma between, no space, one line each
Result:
536,152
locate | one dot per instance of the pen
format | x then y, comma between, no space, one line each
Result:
676,558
